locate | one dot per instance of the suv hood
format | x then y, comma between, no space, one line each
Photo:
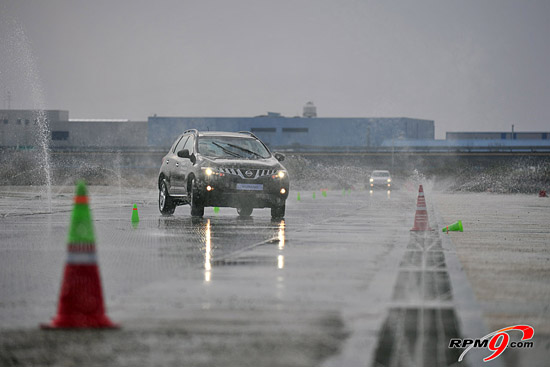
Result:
268,163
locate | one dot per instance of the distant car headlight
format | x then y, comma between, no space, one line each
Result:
389,179
371,180
208,171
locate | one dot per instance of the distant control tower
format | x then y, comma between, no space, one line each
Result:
310,110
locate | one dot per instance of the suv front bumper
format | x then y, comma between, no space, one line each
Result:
225,192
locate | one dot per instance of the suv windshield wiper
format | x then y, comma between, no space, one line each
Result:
230,152
244,150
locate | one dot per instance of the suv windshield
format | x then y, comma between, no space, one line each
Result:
380,174
232,147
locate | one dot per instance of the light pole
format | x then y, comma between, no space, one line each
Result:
392,150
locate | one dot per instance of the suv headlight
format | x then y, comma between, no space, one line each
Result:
209,171
371,179
280,174
389,179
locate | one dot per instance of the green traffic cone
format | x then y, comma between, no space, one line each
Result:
135,215
216,209
456,226
324,193
298,197
349,191
81,297
314,194
81,230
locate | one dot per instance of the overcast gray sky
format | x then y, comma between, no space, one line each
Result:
467,64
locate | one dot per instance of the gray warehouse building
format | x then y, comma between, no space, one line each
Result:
309,134
298,133
18,130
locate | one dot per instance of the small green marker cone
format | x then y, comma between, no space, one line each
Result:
314,194
324,193
456,226
298,197
81,230
135,215
349,191
216,209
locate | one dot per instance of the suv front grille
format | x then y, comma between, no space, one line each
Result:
248,173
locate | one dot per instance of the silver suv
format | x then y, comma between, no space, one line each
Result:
380,178
222,169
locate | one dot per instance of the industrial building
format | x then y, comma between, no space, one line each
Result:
19,129
305,133
298,133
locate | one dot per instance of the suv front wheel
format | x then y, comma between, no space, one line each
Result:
278,212
197,210
244,211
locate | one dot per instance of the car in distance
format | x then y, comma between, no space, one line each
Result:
380,178
222,169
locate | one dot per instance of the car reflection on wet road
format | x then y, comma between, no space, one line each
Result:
219,240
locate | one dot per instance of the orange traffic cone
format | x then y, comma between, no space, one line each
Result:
81,299
421,216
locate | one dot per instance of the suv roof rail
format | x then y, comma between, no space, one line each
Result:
195,131
249,133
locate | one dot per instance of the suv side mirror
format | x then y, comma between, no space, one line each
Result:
279,156
184,153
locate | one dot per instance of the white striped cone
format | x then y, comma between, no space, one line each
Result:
421,216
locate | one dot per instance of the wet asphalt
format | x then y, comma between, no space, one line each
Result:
341,281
